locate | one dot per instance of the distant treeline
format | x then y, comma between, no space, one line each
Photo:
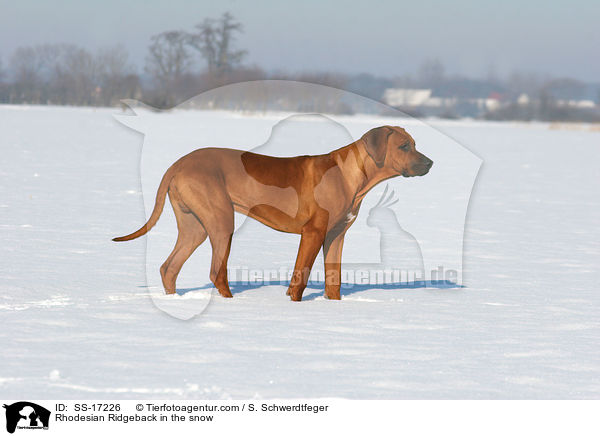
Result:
182,64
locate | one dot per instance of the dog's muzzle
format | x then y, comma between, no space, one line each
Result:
420,168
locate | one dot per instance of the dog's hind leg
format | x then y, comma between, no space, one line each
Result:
212,205
191,235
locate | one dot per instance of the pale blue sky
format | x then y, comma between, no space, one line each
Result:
380,37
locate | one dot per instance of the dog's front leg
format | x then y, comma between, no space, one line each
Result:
310,244
332,252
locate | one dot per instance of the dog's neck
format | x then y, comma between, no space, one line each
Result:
365,173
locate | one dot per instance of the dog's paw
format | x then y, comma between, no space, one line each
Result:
225,293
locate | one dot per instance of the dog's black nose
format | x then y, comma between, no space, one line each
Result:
428,163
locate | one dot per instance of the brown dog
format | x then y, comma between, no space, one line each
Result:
315,196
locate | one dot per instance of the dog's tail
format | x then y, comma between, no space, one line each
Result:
163,188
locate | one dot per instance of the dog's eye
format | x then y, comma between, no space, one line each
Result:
404,147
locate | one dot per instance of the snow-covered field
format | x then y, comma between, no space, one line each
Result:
78,320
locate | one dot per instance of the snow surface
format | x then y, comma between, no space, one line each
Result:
78,320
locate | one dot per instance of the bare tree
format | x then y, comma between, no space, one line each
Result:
74,78
27,67
114,61
54,73
168,59
4,87
214,40
117,78
205,42
167,62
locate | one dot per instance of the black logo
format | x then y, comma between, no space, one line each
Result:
26,415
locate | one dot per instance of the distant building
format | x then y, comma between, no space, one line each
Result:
573,93
406,97
523,100
464,97
441,102
581,104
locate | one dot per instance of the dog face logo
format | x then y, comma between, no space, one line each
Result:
26,415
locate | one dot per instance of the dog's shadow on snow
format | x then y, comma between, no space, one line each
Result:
319,287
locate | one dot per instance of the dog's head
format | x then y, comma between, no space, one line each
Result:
393,148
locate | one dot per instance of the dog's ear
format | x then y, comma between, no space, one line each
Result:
376,143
